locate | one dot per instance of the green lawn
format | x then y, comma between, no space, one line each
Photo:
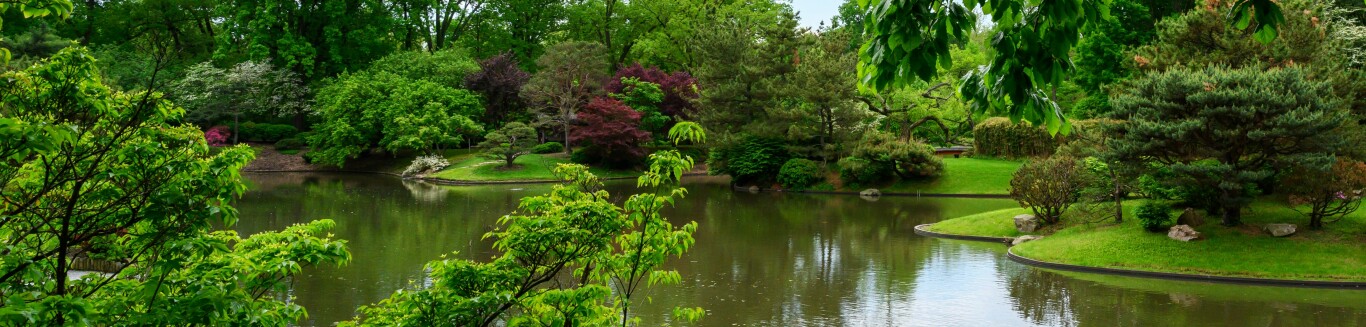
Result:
965,176
999,223
1335,253
531,167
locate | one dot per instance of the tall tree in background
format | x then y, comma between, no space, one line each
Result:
619,24
500,81
571,74
680,89
742,61
822,95
315,38
212,94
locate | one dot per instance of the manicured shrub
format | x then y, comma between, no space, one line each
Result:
1154,216
218,135
513,140
750,159
548,147
863,172
799,173
425,164
906,158
999,137
290,144
1048,187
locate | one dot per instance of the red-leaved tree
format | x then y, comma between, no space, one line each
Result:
610,131
500,81
680,89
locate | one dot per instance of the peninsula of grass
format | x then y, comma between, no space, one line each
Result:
999,223
531,167
1336,253
965,176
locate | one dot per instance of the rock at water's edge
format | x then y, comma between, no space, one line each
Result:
1023,239
1026,223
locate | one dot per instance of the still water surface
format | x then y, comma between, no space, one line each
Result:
769,259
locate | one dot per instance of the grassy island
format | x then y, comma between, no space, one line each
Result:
531,167
1338,252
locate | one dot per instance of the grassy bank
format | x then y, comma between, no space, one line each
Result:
1336,253
472,167
965,176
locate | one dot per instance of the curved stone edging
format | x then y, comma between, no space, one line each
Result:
920,230
1186,277
899,194
321,171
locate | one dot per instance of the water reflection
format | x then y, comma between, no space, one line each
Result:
769,259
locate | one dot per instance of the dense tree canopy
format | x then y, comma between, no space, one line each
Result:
381,109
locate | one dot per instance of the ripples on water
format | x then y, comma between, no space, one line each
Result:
770,260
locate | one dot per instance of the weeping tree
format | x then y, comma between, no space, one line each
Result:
1223,130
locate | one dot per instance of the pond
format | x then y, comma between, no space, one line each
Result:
769,259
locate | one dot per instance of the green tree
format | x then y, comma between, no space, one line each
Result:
381,109
93,174
212,94
1032,46
316,39
513,140
822,99
1223,130
571,74
909,159
32,8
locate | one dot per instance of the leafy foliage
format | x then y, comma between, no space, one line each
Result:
507,143
800,173
149,210
999,137
1221,130
611,133
907,158
1154,216
679,89
571,74
645,97
1329,194
1048,187
315,41
500,81
212,95
381,109
863,172
548,147
425,164
750,159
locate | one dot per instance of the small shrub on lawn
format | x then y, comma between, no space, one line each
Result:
1048,187
218,135
1154,216
425,164
548,147
799,173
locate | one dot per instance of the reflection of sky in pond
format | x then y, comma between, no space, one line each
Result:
768,259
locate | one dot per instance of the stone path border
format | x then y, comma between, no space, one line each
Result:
920,230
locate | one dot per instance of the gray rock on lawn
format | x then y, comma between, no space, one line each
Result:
1191,217
872,192
1183,233
1026,223
1023,239
1280,230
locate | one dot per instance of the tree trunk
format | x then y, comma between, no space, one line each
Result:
567,149
1119,197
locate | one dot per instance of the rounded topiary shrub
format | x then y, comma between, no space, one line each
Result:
799,173
860,171
999,137
548,147
1154,216
289,144
750,159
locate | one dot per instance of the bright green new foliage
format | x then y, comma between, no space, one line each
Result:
381,109
569,257
90,174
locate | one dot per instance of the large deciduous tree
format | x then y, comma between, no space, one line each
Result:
316,39
500,81
93,174
679,89
381,109
571,74
212,94
1033,42
1223,130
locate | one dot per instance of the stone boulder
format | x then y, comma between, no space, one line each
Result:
1023,239
1183,233
753,189
1026,223
1280,230
1191,217
872,192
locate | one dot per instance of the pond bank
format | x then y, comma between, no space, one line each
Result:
1327,258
